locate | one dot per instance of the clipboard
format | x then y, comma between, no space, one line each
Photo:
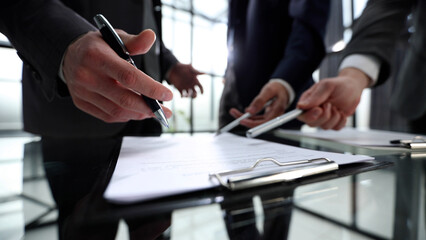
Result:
305,168
145,171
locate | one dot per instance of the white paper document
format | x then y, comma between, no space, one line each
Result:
354,137
152,167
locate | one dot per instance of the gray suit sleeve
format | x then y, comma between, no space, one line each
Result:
41,30
376,31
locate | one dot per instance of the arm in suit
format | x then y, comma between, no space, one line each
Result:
302,55
376,31
100,83
41,31
305,46
332,100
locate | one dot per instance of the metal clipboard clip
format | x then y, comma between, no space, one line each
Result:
417,142
312,167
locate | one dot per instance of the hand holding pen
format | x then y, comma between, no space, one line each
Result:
322,104
329,102
114,41
274,98
272,90
237,121
107,87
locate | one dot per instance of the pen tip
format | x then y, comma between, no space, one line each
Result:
165,123
162,117
249,134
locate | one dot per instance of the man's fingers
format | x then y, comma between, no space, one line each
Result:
199,86
318,120
317,96
276,109
341,123
94,111
123,97
109,63
116,112
195,71
109,112
138,44
306,95
132,78
311,115
251,123
260,100
256,105
333,120
106,86
167,111
192,93
325,116
235,113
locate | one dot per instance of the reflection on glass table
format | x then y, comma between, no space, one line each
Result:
385,202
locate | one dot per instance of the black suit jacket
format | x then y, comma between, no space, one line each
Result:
271,39
41,30
376,33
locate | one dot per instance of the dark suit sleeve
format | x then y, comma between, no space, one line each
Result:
167,60
305,47
41,30
376,31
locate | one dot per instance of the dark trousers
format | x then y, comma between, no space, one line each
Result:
73,167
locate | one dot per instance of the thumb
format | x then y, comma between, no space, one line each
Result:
268,92
315,96
256,105
191,69
138,44
196,72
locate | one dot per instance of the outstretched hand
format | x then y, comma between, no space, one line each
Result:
184,78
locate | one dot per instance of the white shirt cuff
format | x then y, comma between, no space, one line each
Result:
367,63
61,72
290,91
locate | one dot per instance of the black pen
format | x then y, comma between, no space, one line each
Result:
114,41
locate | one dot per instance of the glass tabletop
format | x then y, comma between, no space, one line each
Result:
380,200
